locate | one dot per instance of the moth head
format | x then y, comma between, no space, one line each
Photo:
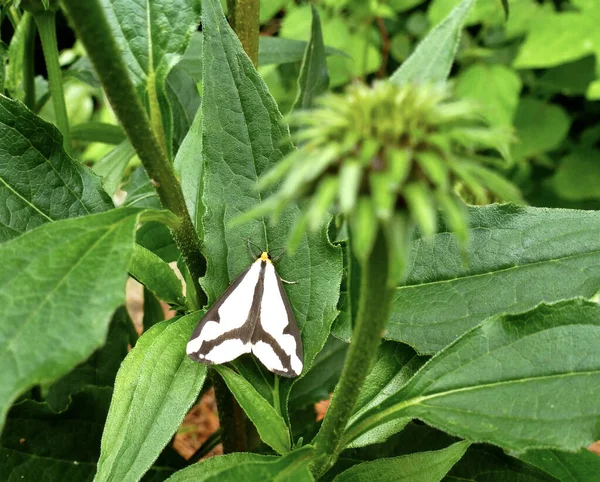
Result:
264,256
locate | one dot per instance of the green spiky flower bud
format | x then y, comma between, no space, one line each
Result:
390,157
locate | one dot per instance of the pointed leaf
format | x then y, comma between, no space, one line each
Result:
513,381
432,59
111,167
39,182
59,286
154,389
518,257
417,467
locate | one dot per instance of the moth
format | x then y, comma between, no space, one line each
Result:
254,316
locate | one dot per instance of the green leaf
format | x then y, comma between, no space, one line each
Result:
3,57
17,50
581,466
185,102
432,59
394,367
97,132
19,466
518,257
418,467
157,276
140,192
100,369
578,175
512,381
540,126
188,166
495,88
59,286
112,166
560,38
314,76
270,425
153,312
39,182
292,467
154,389
239,144
279,50
153,37
484,463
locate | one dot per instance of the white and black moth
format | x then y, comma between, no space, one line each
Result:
254,315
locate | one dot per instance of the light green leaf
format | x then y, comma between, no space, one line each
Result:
581,466
292,467
16,56
513,381
59,286
418,467
241,143
432,59
154,389
112,166
540,126
578,175
270,425
314,77
279,50
157,276
39,182
518,257
495,88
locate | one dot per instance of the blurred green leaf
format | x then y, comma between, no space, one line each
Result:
495,88
279,50
489,385
111,168
59,286
154,389
432,59
98,132
56,187
518,257
418,467
572,78
3,57
578,175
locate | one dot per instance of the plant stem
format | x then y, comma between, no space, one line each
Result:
373,312
244,17
28,61
94,32
231,417
46,25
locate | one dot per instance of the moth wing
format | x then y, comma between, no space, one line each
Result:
225,331
276,341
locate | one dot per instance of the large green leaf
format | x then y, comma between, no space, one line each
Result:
59,286
518,381
154,389
418,467
518,258
432,59
239,144
314,77
581,466
270,425
39,182
292,467
153,37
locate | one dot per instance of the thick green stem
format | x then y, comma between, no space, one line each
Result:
46,25
244,17
94,32
373,312
231,417
28,61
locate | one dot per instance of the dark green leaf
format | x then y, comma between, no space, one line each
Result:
185,102
153,312
17,466
157,276
432,59
154,389
39,182
157,238
3,56
581,466
418,467
100,369
514,381
292,467
518,257
239,144
97,132
578,175
314,76
191,62
140,192
59,285
483,463
270,425
83,70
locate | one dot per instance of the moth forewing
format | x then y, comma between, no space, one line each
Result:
253,315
